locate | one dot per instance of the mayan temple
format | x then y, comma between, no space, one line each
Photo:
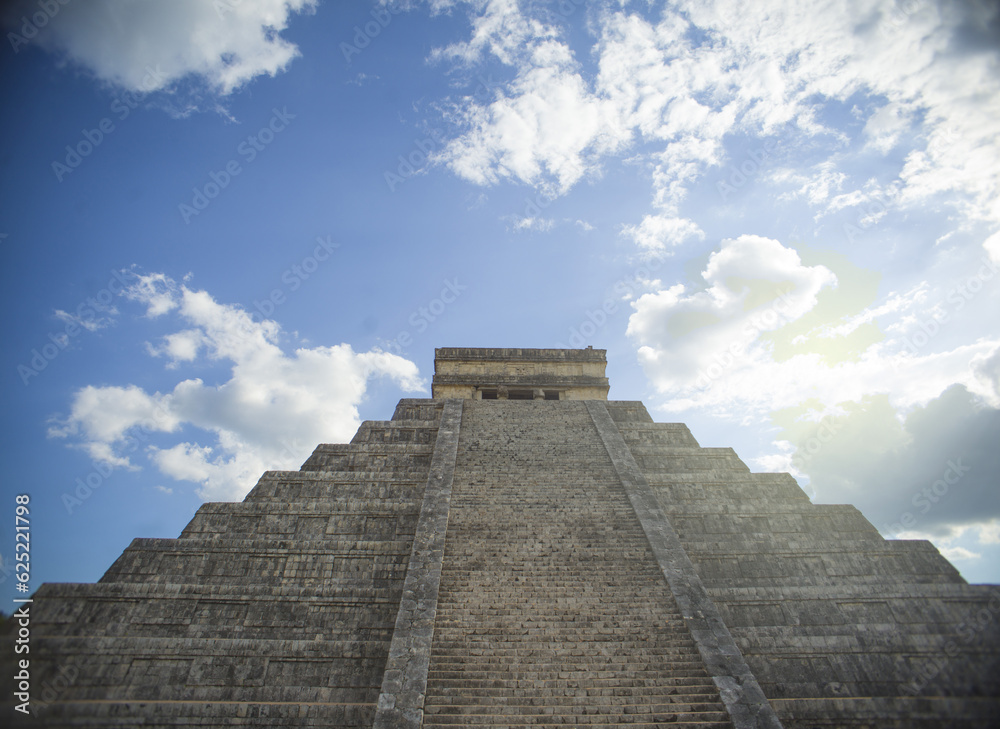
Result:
520,551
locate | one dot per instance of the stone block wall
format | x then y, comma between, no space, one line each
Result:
841,627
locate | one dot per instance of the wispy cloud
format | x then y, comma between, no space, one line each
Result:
274,408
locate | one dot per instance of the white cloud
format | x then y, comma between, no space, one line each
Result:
147,45
269,414
705,71
89,322
102,415
157,291
546,127
818,186
992,247
538,224
180,347
660,233
958,553
990,533
752,286
881,112
884,128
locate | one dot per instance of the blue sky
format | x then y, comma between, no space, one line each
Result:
234,230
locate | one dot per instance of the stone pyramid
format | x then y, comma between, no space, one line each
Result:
519,551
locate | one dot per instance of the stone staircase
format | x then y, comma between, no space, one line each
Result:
552,609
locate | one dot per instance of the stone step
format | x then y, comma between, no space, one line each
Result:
511,686
388,431
339,487
564,670
890,712
378,457
418,409
100,714
583,652
582,635
549,590
608,717
528,706
601,722
694,688
449,633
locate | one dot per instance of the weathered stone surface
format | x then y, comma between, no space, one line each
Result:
275,612
520,563
552,607
738,688
839,626
401,701
561,374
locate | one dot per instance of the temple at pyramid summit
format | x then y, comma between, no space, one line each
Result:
519,551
